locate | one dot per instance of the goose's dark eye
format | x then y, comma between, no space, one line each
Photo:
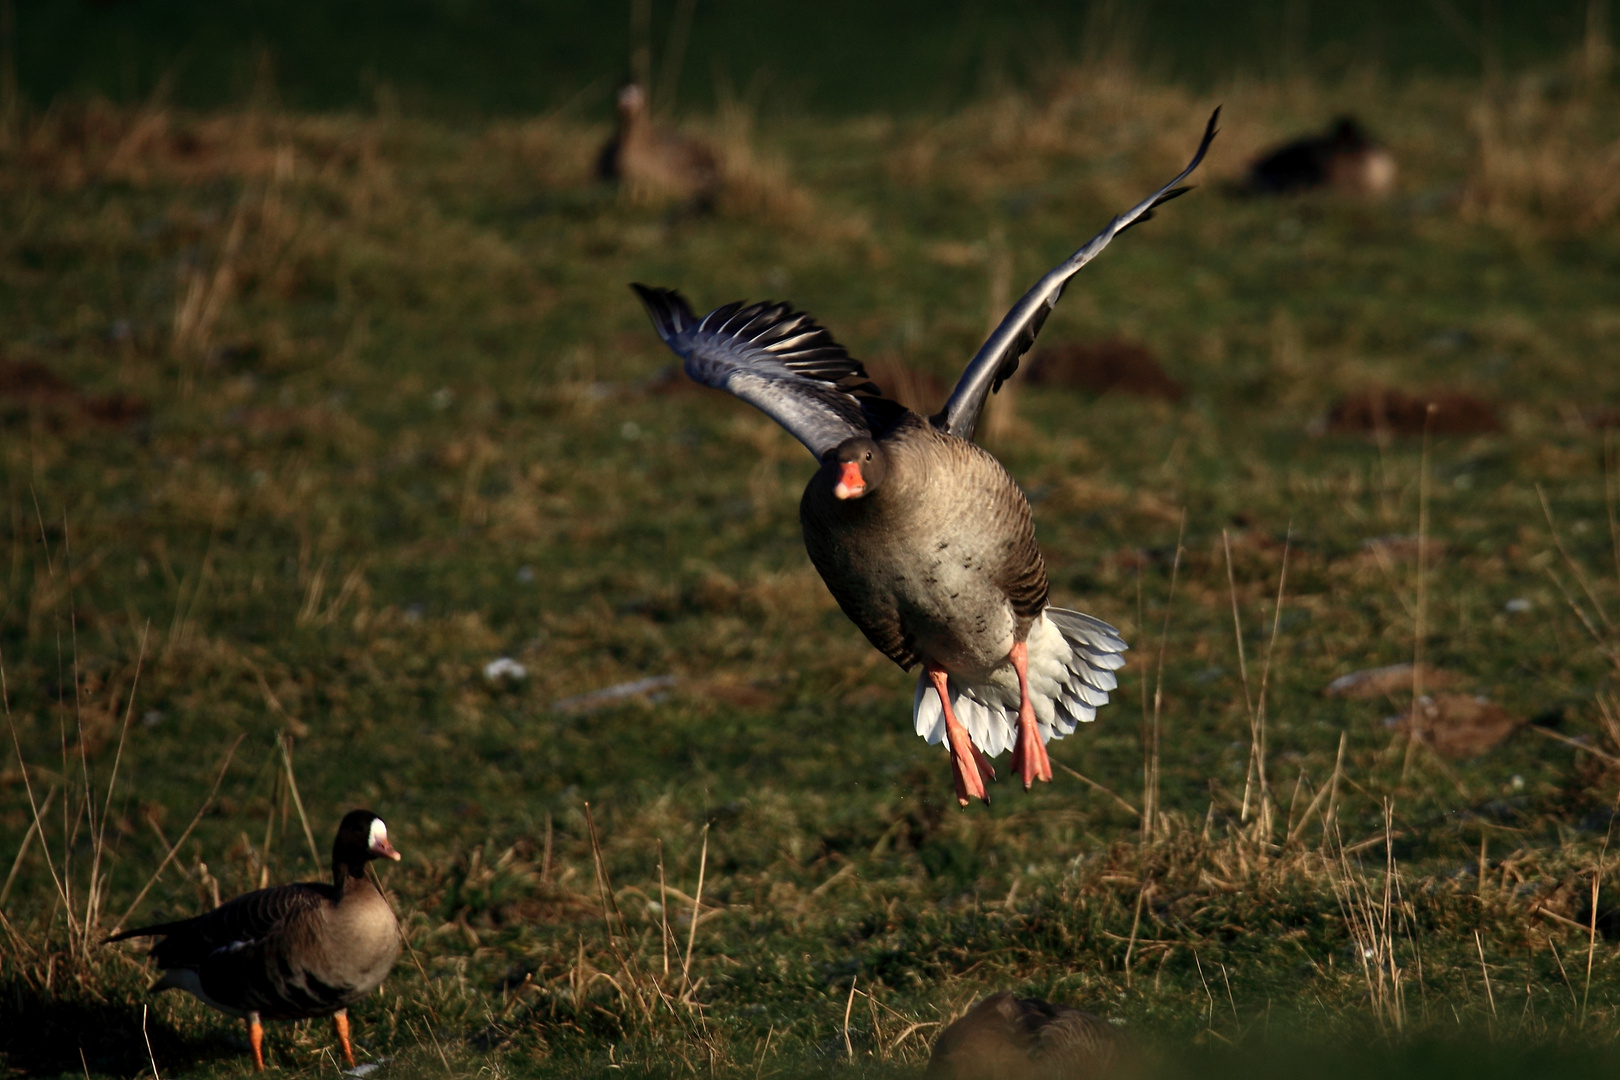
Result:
869,455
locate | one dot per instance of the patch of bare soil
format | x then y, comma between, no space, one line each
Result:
27,386
1096,367
1380,409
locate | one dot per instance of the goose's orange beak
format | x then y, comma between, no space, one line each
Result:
851,485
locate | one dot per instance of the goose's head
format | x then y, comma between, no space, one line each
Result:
361,837
632,101
856,467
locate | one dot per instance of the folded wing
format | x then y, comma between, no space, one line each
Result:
998,358
234,925
776,359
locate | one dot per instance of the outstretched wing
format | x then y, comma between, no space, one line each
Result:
998,358
776,359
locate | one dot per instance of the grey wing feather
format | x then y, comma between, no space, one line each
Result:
776,359
998,358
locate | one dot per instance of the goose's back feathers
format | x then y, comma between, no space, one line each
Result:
287,952
778,360
235,925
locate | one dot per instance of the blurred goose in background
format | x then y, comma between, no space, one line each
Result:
1005,1037
652,163
922,537
1344,158
292,951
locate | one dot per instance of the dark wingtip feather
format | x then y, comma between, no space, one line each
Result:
1173,193
668,309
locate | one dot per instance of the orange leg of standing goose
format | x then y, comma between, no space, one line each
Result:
256,1041
969,767
340,1020
1029,758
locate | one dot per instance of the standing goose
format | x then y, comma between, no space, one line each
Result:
922,537
292,951
1005,1037
653,163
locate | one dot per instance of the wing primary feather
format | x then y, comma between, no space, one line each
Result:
998,358
669,310
778,360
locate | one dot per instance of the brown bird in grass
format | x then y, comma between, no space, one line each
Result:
654,163
1005,1037
292,951
1344,158
921,536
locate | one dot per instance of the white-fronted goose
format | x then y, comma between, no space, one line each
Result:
921,536
292,951
653,163
1344,158
1005,1037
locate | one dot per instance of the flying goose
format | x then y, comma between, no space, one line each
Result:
1005,1037
291,951
921,536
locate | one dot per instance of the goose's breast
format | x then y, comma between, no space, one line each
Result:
949,602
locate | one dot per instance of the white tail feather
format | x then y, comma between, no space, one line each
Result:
1072,660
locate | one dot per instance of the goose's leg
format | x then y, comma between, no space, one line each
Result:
969,767
256,1040
1029,758
340,1020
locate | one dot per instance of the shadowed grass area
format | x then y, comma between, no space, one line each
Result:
386,412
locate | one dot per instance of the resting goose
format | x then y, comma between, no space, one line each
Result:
1343,158
652,162
922,537
1005,1037
292,951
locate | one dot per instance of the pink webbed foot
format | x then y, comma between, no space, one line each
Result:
970,769
1029,759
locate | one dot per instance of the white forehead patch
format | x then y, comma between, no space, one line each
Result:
379,835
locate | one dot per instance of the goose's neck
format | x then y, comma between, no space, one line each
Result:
348,877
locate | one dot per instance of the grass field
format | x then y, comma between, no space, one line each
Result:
308,418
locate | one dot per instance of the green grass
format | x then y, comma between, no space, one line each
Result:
403,419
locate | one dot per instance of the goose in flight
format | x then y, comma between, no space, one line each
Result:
290,951
920,534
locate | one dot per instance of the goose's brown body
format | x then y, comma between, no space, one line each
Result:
287,953
654,163
1005,1037
938,564
921,536
292,951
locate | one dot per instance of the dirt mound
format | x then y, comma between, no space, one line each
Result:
1379,408
1096,367
27,386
